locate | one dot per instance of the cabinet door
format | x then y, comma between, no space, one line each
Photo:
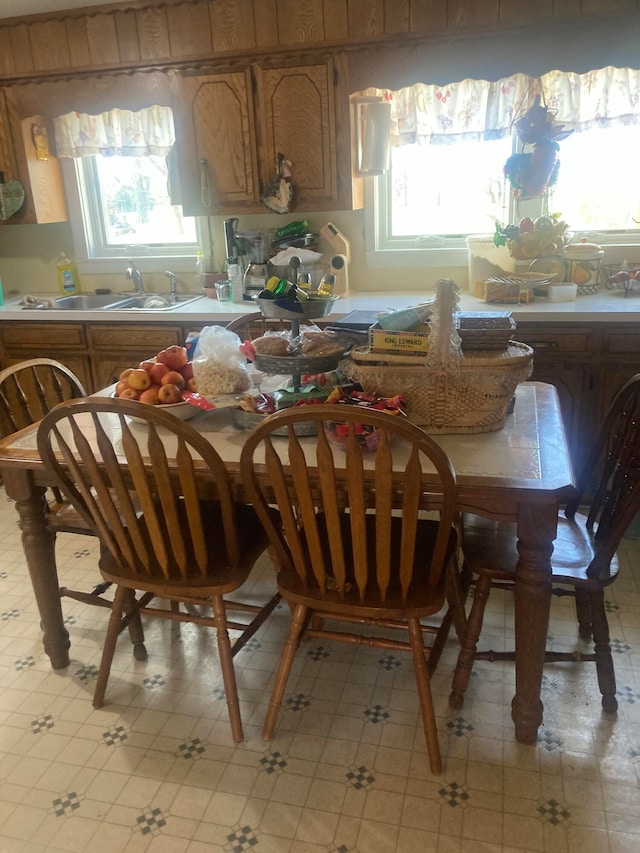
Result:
297,118
45,200
116,347
217,146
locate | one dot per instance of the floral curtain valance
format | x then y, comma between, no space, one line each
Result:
483,110
117,132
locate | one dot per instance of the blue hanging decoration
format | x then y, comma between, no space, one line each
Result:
531,173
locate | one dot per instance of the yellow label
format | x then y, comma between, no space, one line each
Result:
398,342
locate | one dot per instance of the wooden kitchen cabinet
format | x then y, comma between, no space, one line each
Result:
45,200
621,360
232,126
118,346
568,357
66,342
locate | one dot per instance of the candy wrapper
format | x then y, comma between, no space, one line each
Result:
352,395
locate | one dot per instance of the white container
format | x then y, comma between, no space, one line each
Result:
486,260
562,292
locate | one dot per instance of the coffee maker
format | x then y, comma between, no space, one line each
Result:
248,250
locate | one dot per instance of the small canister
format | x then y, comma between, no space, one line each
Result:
583,261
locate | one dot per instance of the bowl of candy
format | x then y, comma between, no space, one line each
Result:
367,436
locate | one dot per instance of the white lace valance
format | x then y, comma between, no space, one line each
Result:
483,110
117,132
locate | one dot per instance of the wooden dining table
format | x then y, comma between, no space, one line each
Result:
520,473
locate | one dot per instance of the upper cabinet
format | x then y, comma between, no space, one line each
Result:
216,143
233,126
25,159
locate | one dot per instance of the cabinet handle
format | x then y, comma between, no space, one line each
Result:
543,344
205,185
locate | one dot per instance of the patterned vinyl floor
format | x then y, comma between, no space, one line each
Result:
156,770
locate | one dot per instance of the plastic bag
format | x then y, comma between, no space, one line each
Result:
218,364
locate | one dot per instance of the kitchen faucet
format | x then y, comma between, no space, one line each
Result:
134,274
173,282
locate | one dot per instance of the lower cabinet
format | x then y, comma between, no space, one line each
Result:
97,354
118,346
66,342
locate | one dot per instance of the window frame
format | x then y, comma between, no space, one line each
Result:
76,177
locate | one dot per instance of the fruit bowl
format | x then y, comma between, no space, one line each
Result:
182,410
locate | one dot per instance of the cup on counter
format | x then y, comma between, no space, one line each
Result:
223,291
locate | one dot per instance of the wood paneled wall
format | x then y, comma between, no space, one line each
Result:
142,33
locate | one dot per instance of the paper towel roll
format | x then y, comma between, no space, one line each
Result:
376,138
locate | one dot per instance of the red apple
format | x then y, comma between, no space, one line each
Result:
175,357
191,385
169,394
187,370
129,394
120,386
139,379
150,395
125,373
173,378
157,372
147,364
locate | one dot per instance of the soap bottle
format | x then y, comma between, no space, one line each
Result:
200,270
67,275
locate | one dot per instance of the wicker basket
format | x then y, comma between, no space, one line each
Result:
473,399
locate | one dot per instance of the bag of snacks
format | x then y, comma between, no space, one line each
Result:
218,365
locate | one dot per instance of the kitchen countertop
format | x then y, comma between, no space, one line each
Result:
608,306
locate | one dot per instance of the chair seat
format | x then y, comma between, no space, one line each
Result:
220,573
425,598
490,547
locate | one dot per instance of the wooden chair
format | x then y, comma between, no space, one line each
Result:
584,559
175,546
256,324
28,391
354,548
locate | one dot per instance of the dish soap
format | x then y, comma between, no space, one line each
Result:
67,275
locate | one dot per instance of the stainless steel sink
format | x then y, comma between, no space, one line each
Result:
122,302
86,301
155,301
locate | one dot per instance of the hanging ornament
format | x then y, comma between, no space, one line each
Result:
280,194
531,173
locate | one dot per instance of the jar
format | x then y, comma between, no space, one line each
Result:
583,261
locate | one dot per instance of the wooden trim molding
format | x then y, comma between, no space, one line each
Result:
483,36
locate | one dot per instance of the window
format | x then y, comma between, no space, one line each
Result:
117,180
125,204
446,179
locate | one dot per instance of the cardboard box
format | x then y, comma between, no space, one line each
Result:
415,342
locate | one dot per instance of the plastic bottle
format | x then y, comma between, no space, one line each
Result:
291,229
327,283
304,281
235,277
200,270
67,275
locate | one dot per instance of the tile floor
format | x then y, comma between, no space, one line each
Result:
155,769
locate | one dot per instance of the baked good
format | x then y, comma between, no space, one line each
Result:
271,344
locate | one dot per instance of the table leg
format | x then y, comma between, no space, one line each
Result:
537,527
38,542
